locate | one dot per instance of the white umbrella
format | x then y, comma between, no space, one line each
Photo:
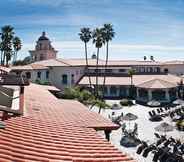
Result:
153,103
178,102
164,127
129,117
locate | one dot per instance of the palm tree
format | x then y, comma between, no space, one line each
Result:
1,49
152,58
145,58
131,72
98,41
85,36
17,46
7,37
108,34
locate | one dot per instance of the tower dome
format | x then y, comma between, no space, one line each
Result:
43,49
43,37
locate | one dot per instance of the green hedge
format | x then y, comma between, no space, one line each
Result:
126,102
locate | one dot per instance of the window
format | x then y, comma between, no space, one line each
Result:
64,79
113,90
122,70
47,74
166,70
157,70
142,69
72,79
28,75
39,74
40,46
108,70
97,70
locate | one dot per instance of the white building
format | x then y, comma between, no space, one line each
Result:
69,72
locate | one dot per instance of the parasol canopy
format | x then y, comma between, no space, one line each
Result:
164,127
178,102
129,117
153,103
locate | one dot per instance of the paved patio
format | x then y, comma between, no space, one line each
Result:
145,128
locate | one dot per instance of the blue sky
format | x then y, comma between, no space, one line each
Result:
143,27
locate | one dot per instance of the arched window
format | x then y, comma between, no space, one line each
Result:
47,74
40,46
64,79
28,75
72,79
39,74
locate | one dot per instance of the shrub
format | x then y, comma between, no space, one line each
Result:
69,93
126,102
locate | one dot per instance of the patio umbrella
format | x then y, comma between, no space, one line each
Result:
164,127
153,103
178,102
129,117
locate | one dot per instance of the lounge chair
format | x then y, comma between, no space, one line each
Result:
142,146
157,135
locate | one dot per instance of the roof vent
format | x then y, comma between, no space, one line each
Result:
2,125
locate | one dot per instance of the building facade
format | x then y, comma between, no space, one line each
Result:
151,78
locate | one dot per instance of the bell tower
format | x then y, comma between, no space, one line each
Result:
43,49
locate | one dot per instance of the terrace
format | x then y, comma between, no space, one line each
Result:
56,130
145,128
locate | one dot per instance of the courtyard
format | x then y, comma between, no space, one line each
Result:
146,128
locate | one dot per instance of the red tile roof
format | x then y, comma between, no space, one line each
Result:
53,130
138,80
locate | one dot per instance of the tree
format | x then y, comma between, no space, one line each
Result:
7,35
101,104
98,41
145,58
1,49
25,61
131,72
107,33
9,45
85,36
152,58
17,46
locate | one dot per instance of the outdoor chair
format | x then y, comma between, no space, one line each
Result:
157,135
160,141
141,147
153,112
167,143
150,113
148,150
156,156
156,118
158,110
161,110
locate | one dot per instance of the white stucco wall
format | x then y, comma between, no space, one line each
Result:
34,75
175,69
57,72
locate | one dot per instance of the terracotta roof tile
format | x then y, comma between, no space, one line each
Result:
137,80
53,130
